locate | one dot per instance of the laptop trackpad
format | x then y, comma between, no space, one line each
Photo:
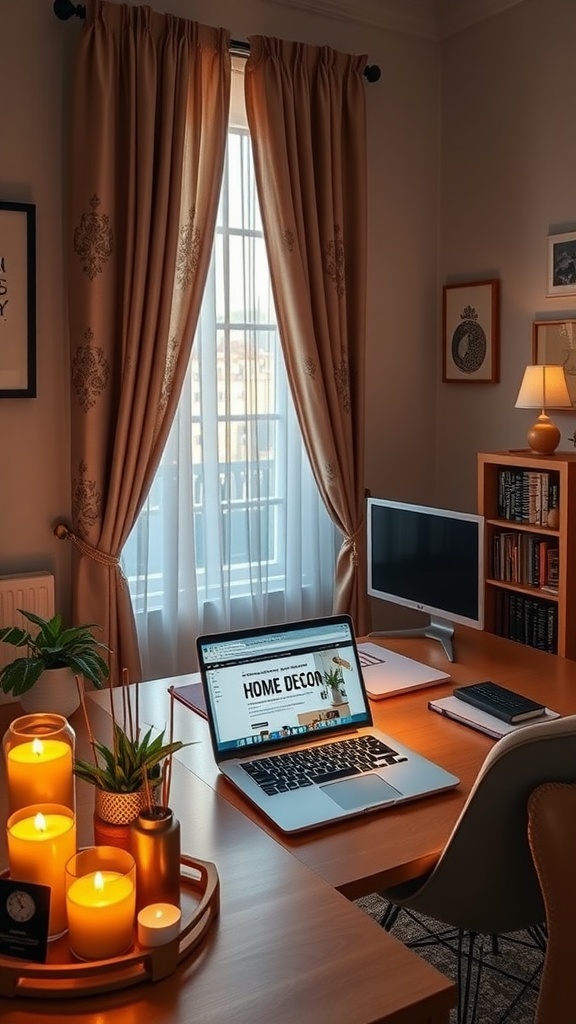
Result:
352,793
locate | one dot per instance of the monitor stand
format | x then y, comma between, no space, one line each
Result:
441,630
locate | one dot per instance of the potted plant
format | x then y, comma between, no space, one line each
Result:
334,679
43,679
129,764
128,774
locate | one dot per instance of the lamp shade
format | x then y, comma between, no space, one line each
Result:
544,387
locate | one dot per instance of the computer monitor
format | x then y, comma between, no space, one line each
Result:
429,559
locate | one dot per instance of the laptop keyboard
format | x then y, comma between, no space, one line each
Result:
326,763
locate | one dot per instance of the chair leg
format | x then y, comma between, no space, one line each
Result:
389,916
469,970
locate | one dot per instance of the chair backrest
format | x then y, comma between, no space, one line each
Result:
552,838
485,880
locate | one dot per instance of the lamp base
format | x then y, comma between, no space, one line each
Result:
543,436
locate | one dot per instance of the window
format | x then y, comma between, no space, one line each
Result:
234,531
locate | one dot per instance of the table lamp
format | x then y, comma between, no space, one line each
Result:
541,387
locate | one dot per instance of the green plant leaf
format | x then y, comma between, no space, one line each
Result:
121,768
52,646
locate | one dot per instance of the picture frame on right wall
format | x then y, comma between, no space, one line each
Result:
561,264
554,344
470,332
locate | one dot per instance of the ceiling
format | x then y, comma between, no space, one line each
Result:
430,19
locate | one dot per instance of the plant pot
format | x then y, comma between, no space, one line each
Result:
113,813
55,692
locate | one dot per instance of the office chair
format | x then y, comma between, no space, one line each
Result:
485,883
552,838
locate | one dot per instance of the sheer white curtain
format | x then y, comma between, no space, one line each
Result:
234,532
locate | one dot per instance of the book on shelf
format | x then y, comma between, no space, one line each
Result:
526,619
525,558
527,495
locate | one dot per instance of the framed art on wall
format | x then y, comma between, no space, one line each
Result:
561,264
470,328
554,343
17,300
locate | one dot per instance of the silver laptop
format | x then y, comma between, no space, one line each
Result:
291,725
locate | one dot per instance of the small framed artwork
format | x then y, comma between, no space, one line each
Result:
554,343
17,300
470,326
561,264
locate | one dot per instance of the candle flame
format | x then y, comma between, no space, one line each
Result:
40,822
98,881
37,747
159,914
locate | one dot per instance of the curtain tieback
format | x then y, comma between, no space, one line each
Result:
64,533
351,539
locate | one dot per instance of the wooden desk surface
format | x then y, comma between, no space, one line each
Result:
286,946
365,854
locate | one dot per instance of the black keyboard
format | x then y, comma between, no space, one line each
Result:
327,762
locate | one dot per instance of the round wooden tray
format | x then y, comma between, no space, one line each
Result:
63,977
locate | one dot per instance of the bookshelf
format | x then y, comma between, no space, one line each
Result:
529,505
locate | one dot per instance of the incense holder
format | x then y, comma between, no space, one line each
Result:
155,846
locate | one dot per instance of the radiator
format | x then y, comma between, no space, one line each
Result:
33,591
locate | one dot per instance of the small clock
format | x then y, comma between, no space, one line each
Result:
20,906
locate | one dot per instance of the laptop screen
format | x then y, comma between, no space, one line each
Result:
280,684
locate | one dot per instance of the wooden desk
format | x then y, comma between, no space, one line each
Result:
286,946
359,857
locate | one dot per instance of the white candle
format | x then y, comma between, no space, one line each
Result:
41,839
158,924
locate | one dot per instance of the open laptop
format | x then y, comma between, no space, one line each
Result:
277,696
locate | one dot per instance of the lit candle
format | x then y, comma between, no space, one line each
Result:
40,771
101,904
41,839
158,924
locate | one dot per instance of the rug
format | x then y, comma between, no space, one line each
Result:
517,954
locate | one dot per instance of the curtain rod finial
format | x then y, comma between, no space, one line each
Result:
64,9
372,72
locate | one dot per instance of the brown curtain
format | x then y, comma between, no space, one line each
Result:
306,112
149,123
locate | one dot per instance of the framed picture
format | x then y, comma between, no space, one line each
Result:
553,343
470,325
561,266
17,300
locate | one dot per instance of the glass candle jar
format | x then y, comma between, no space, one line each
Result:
41,839
100,902
39,756
155,846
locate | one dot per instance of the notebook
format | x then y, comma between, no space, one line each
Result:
277,696
387,673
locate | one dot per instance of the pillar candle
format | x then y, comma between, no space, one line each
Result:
40,771
101,905
41,840
158,924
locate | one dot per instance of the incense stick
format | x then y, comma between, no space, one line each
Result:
167,779
80,689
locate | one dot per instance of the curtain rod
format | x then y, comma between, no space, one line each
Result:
65,9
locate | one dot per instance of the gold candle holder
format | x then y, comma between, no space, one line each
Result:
155,846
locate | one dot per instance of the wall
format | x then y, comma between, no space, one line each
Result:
34,433
36,51
508,176
463,195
